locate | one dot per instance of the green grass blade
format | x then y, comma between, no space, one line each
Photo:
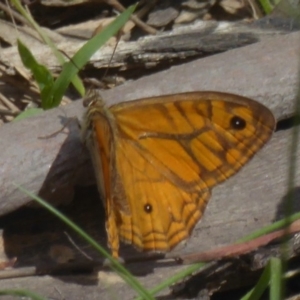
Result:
61,59
276,279
270,228
21,293
177,277
272,277
52,93
196,267
17,4
261,285
266,6
115,265
84,54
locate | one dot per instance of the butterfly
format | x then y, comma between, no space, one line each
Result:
157,159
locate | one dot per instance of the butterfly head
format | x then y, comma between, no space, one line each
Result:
92,98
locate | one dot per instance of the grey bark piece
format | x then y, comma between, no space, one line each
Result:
199,39
266,71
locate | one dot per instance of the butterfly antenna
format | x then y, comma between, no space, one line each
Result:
113,53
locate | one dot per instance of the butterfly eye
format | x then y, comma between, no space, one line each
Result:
148,208
237,123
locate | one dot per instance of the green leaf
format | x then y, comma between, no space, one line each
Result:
41,74
83,56
76,81
28,113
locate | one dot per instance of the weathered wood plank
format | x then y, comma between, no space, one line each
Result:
266,71
196,40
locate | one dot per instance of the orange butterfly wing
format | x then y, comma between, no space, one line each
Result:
163,155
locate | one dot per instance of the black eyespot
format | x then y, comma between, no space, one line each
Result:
148,208
237,123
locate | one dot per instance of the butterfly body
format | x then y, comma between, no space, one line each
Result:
157,159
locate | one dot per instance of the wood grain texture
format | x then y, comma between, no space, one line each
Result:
190,41
266,71
260,71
